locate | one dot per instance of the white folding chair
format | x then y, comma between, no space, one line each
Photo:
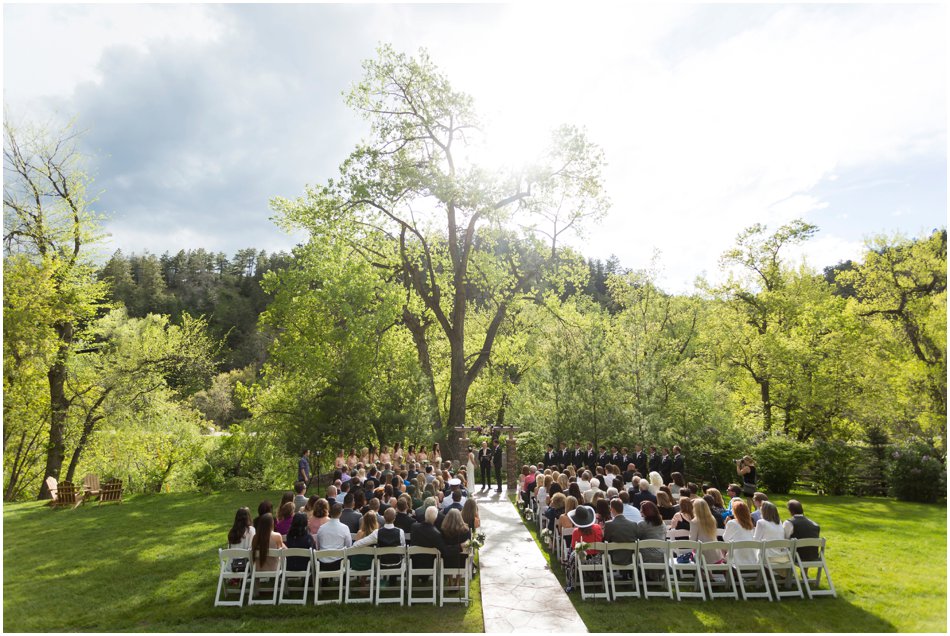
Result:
611,553
464,574
322,573
262,578
677,535
819,563
390,571
687,573
563,536
230,581
661,567
753,573
589,565
717,570
353,573
295,575
785,567
417,571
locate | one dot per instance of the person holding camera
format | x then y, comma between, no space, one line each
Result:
745,468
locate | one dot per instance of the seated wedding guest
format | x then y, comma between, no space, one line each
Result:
620,530
602,511
470,514
241,533
333,535
319,515
677,485
717,512
682,519
574,490
265,539
594,496
300,498
404,519
629,511
350,517
311,502
386,536
757,500
769,528
368,525
665,505
426,535
741,528
586,530
693,490
703,526
287,496
299,537
564,521
263,508
642,494
656,480
651,527
542,492
583,483
285,515
554,510
455,532
801,527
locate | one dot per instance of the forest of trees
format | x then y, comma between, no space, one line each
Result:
393,324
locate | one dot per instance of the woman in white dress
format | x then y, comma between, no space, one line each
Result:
769,528
741,528
470,464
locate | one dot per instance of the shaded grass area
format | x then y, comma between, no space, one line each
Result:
150,564
888,560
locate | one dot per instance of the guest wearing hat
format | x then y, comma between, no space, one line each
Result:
586,530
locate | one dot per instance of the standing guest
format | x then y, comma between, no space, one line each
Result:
616,457
484,463
300,500
496,461
801,527
549,456
303,467
769,528
656,462
757,500
590,458
679,462
397,454
265,540
666,466
333,535
285,515
586,530
681,520
640,459
740,528
625,458
745,468
421,456
352,459
298,537
339,463
384,456
437,455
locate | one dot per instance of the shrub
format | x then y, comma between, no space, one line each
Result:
917,472
711,454
833,467
779,461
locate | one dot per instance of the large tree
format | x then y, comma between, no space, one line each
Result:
414,202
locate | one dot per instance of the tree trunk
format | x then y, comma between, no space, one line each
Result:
766,405
418,330
59,407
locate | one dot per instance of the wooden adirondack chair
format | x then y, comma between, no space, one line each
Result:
66,495
90,485
53,487
111,491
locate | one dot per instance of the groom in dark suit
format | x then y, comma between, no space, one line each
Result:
496,462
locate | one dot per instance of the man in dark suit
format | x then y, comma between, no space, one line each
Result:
350,517
641,494
426,535
550,457
404,520
620,530
679,463
666,466
603,458
615,456
579,456
484,463
640,459
564,456
656,460
625,459
496,460
590,458
801,527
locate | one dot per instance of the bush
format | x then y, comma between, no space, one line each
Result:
244,461
833,467
710,457
917,472
779,461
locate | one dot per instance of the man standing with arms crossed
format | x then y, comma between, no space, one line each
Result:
496,461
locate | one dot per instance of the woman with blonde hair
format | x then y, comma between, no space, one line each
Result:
656,480
703,526
564,521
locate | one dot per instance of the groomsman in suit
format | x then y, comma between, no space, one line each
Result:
496,461
590,458
666,466
625,459
640,459
550,457
679,462
603,459
564,456
615,456
656,460
579,456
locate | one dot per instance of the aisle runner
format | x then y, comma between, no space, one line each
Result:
519,592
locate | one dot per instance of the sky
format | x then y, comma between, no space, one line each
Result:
712,117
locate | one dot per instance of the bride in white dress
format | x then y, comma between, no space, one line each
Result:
470,467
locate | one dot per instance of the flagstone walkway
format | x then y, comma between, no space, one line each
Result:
519,591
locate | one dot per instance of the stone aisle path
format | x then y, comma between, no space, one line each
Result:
519,591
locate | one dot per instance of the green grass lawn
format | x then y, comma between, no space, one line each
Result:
888,560
150,564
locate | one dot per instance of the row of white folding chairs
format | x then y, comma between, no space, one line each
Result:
757,566
344,581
